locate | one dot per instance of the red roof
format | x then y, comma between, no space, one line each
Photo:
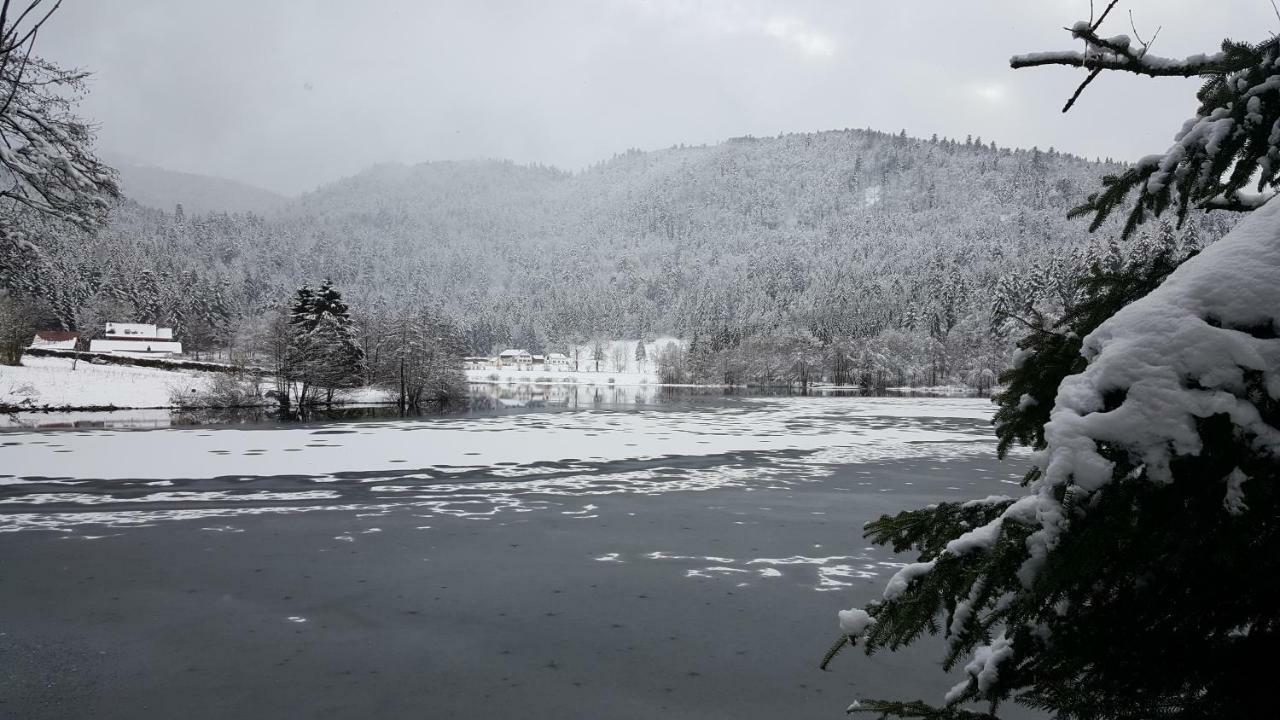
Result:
57,335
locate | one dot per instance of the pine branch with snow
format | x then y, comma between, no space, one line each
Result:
1140,574
1051,350
1229,146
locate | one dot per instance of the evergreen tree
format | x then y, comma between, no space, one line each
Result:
1051,351
1140,577
641,355
328,301
302,312
322,351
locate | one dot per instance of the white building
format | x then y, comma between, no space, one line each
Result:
136,339
515,359
559,361
55,340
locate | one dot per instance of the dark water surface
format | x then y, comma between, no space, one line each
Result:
577,601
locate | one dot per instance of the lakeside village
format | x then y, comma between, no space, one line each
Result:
144,340
142,365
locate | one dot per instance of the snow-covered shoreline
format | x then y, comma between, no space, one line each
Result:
50,383
55,384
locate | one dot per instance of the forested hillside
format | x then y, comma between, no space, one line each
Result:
851,255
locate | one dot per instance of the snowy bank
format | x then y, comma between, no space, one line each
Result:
50,382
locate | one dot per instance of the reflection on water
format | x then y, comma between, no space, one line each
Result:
484,399
530,395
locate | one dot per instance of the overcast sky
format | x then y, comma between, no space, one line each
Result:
289,94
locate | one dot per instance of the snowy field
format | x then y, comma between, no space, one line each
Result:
51,382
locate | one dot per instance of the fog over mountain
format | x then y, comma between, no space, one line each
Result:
165,189
568,83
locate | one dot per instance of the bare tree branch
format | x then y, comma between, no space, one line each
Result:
1076,95
47,162
1098,23
13,29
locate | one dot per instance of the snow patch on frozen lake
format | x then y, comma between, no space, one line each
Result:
473,468
823,574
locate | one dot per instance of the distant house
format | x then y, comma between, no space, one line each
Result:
136,339
539,362
477,362
515,359
558,361
55,340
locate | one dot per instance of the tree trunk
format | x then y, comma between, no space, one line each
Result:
403,397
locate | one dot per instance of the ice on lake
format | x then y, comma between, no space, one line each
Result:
475,467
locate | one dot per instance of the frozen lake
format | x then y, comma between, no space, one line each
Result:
610,559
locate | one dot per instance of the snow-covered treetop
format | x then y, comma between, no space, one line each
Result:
1203,343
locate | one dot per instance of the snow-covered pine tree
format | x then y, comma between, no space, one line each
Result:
1140,575
215,312
323,351
328,301
1050,351
340,358
297,362
302,312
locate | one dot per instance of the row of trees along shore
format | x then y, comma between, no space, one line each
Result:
316,349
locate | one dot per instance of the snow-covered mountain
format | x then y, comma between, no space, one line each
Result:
830,238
